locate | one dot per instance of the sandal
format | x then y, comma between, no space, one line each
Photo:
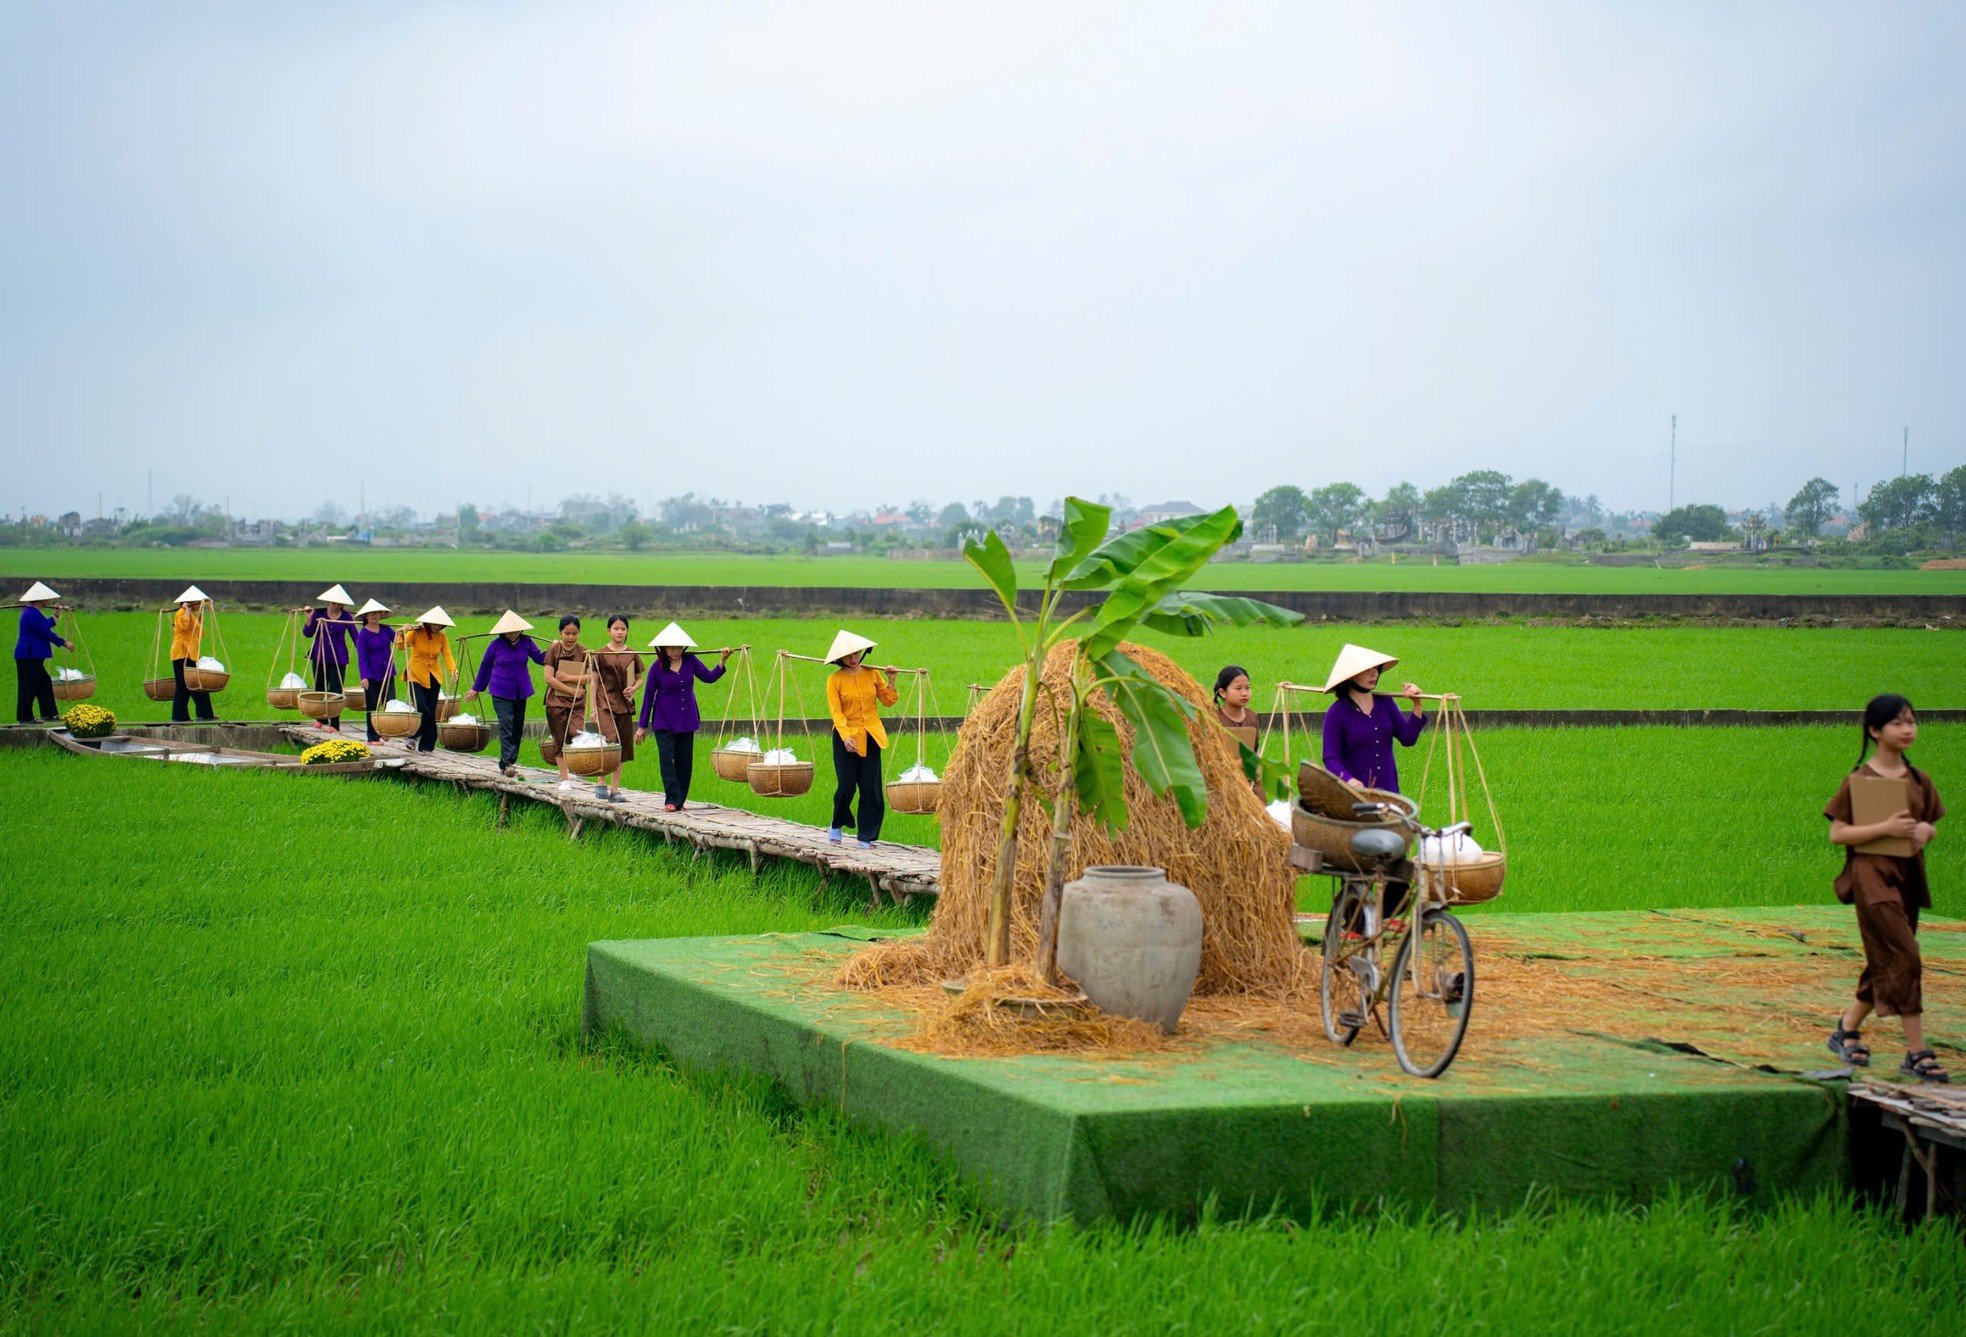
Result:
1924,1065
1849,1047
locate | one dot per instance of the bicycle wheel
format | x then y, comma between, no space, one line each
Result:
1429,1014
1341,993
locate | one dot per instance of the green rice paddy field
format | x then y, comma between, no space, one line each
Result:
362,569
303,1052
1513,667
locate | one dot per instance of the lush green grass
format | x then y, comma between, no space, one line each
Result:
280,1051
1493,666
361,569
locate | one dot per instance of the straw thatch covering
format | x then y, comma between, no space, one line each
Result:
1234,863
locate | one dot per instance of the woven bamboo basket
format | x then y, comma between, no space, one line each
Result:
446,707
204,680
318,705
1332,838
1469,882
354,699
76,689
549,750
915,796
464,737
1322,792
395,723
780,779
593,760
160,689
731,765
283,698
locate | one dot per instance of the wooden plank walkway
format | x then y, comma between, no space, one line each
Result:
900,872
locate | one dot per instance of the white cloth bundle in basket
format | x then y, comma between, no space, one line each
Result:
780,756
69,675
399,707
464,718
293,682
587,738
1280,813
211,665
917,775
742,745
1438,851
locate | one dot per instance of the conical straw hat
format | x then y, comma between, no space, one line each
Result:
192,595
845,644
372,606
38,593
437,617
673,634
510,622
335,594
1352,661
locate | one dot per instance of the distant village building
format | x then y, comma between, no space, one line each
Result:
1163,512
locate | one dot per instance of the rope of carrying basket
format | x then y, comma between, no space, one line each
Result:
1461,880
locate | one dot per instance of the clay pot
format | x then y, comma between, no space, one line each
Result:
1132,940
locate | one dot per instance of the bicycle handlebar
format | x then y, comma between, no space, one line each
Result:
1383,809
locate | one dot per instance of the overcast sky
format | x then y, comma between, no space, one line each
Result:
841,254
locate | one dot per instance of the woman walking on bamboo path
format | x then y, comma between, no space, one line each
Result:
1361,726
375,664
187,639
618,676
566,679
330,627
854,695
506,669
428,650
35,645
669,709
1884,877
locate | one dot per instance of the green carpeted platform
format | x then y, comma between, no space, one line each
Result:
1251,1123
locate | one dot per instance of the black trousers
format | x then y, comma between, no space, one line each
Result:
677,753
860,775
33,691
378,695
511,712
183,699
327,678
425,700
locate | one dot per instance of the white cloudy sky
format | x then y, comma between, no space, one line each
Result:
849,253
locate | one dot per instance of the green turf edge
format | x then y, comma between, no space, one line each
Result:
1250,1131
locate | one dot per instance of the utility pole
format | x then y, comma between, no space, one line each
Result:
1904,460
1672,465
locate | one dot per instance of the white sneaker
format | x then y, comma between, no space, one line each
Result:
569,786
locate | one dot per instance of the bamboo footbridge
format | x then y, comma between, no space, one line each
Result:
899,872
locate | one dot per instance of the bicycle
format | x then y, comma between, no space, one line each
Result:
1429,992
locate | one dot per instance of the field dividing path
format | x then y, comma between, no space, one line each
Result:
901,871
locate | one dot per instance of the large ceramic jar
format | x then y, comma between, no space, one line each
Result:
1132,940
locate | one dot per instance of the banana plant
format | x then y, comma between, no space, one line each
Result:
1139,574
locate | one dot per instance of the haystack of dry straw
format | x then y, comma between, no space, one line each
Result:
1234,863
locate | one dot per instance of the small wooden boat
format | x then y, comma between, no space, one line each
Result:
210,754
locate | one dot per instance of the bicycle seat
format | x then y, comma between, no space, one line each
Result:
1378,844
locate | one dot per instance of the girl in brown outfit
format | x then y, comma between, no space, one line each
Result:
1888,890
618,675
566,679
